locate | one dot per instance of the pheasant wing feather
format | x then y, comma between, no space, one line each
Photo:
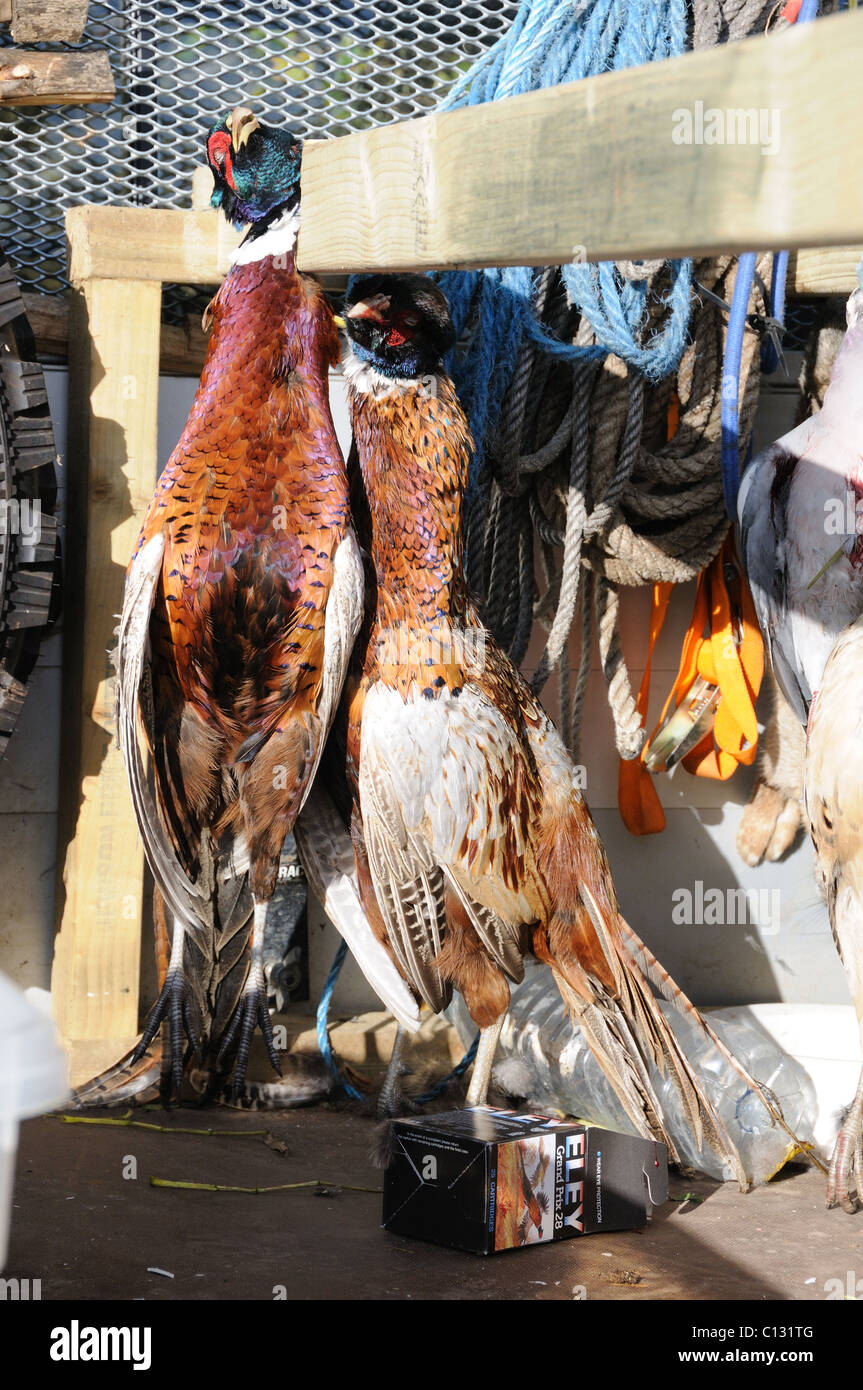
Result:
441,809
188,901
327,856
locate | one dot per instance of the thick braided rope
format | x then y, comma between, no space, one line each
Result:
659,515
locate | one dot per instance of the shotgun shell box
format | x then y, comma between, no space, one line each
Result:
488,1180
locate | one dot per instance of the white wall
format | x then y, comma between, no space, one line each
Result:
731,964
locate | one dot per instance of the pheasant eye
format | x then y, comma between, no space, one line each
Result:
411,320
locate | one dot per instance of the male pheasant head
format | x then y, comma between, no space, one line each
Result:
255,168
400,324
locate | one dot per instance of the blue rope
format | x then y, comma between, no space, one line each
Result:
770,354
549,42
327,1051
458,1070
321,1024
730,448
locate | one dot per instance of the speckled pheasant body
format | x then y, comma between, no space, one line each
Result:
253,508
431,665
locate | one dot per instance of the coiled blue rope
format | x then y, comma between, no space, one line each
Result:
553,41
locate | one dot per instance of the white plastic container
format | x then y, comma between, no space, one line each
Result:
825,1040
32,1080
808,1055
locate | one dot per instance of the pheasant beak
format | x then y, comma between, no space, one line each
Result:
241,123
339,321
375,308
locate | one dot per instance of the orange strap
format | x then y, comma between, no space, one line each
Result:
723,645
733,659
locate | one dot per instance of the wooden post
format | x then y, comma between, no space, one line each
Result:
112,451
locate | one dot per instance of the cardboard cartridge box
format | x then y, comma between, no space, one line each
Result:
488,1180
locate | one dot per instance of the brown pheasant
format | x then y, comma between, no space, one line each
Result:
243,599
474,845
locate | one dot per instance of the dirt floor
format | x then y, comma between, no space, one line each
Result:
89,1229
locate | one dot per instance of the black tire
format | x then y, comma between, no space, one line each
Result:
30,564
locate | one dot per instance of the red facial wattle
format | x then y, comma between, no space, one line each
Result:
394,338
219,154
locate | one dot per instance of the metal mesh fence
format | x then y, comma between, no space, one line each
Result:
325,68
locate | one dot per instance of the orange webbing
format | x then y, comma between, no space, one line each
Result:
736,666
723,645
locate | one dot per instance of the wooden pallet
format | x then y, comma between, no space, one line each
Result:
591,165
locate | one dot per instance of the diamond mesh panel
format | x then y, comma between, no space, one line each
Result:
327,69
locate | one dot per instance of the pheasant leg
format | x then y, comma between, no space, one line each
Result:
390,1100
481,1076
176,1007
252,1009
845,1178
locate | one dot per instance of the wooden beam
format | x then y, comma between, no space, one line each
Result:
448,189
5,11
48,21
183,247
167,244
593,167
181,349
28,78
202,187
112,437
820,271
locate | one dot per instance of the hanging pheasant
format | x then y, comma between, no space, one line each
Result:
474,845
833,784
243,599
801,523
798,506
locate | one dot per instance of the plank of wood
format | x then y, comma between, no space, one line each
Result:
5,11
822,271
168,244
28,78
593,168
202,187
196,247
48,21
113,393
500,184
181,349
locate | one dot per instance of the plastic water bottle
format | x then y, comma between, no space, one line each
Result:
542,1059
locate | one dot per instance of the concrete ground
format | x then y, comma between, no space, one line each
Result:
89,1224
